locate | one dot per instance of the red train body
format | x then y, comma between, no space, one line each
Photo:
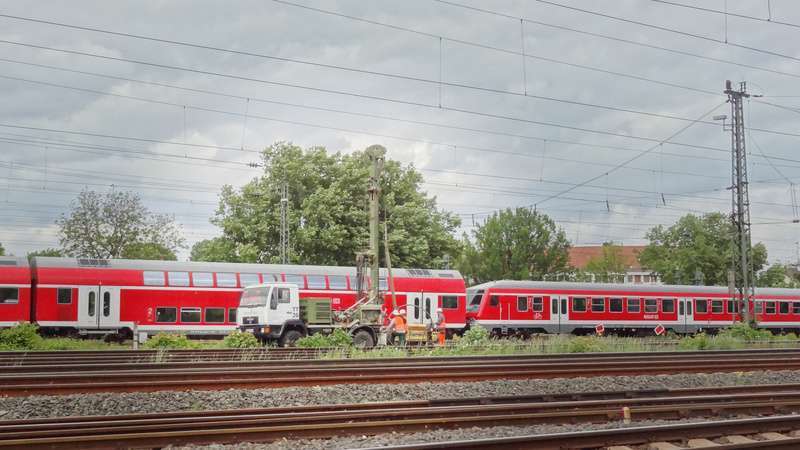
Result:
15,291
101,296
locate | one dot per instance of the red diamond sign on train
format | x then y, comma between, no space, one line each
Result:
599,328
660,329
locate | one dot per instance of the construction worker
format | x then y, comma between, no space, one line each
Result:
398,327
441,326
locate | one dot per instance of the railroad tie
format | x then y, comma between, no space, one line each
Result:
773,436
619,447
737,439
663,446
701,443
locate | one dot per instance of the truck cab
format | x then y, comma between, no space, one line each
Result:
271,312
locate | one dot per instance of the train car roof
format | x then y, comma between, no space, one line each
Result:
550,285
13,261
192,266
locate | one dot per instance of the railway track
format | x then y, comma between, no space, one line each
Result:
208,375
269,424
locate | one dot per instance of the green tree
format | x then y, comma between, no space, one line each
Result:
45,252
219,249
609,265
107,225
2,250
148,250
777,275
327,211
515,244
695,244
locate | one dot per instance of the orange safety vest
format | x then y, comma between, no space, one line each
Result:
441,324
399,324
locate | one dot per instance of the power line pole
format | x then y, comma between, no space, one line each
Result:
744,276
284,223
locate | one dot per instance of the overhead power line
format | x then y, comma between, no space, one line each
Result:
728,13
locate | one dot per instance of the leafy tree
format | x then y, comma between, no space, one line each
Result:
46,252
777,275
2,250
695,244
328,211
219,249
148,250
515,244
111,224
609,265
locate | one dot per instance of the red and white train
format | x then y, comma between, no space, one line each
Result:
99,296
527,307
105,296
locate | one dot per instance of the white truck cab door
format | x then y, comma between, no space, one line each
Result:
283,305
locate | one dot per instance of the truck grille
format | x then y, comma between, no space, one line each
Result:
250,320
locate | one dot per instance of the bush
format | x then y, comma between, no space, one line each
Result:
169,341
238,339
474,337
340,338
23,336
745,332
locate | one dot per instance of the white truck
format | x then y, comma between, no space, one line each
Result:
274,312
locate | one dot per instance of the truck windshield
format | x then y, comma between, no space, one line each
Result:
474,297
256,296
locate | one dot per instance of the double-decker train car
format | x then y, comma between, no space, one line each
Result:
15,291
527,307
99,296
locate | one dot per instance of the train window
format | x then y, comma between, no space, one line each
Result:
733,307
10,296
215,315
226,279
270,277
449,302
634,305
64,296
537,304
202,279
494,300
475,300
668,305
167,315
759,307
190,315
106,304
615,304
178,278
299,280
769,307
701,306
598,305
316,281
337,281
783,307
153,278
92,306
522,303
383,285
578,304
650,305
795,307
232,315
716,306
248,279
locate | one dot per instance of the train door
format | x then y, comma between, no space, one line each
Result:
421,308
558,312
681,326
98,307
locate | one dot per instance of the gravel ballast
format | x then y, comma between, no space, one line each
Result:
149,402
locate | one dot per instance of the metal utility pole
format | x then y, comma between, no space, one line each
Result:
376,155
285,223
740,202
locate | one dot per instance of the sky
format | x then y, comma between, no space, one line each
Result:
598,113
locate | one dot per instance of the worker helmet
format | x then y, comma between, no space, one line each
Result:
402,312
395,312
438,310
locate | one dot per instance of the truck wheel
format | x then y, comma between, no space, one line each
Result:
290,338
363,339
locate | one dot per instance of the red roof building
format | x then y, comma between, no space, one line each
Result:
580,256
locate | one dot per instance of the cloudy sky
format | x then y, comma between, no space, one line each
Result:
605,124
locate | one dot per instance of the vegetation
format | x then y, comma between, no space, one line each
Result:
517,244
114,225
327,212
54,252
338,339
695,247
238,339
609,265
2,250
25,336
169,341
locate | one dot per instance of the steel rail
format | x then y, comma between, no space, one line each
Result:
398,370
267,424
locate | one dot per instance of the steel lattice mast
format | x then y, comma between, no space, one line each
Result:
744,276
